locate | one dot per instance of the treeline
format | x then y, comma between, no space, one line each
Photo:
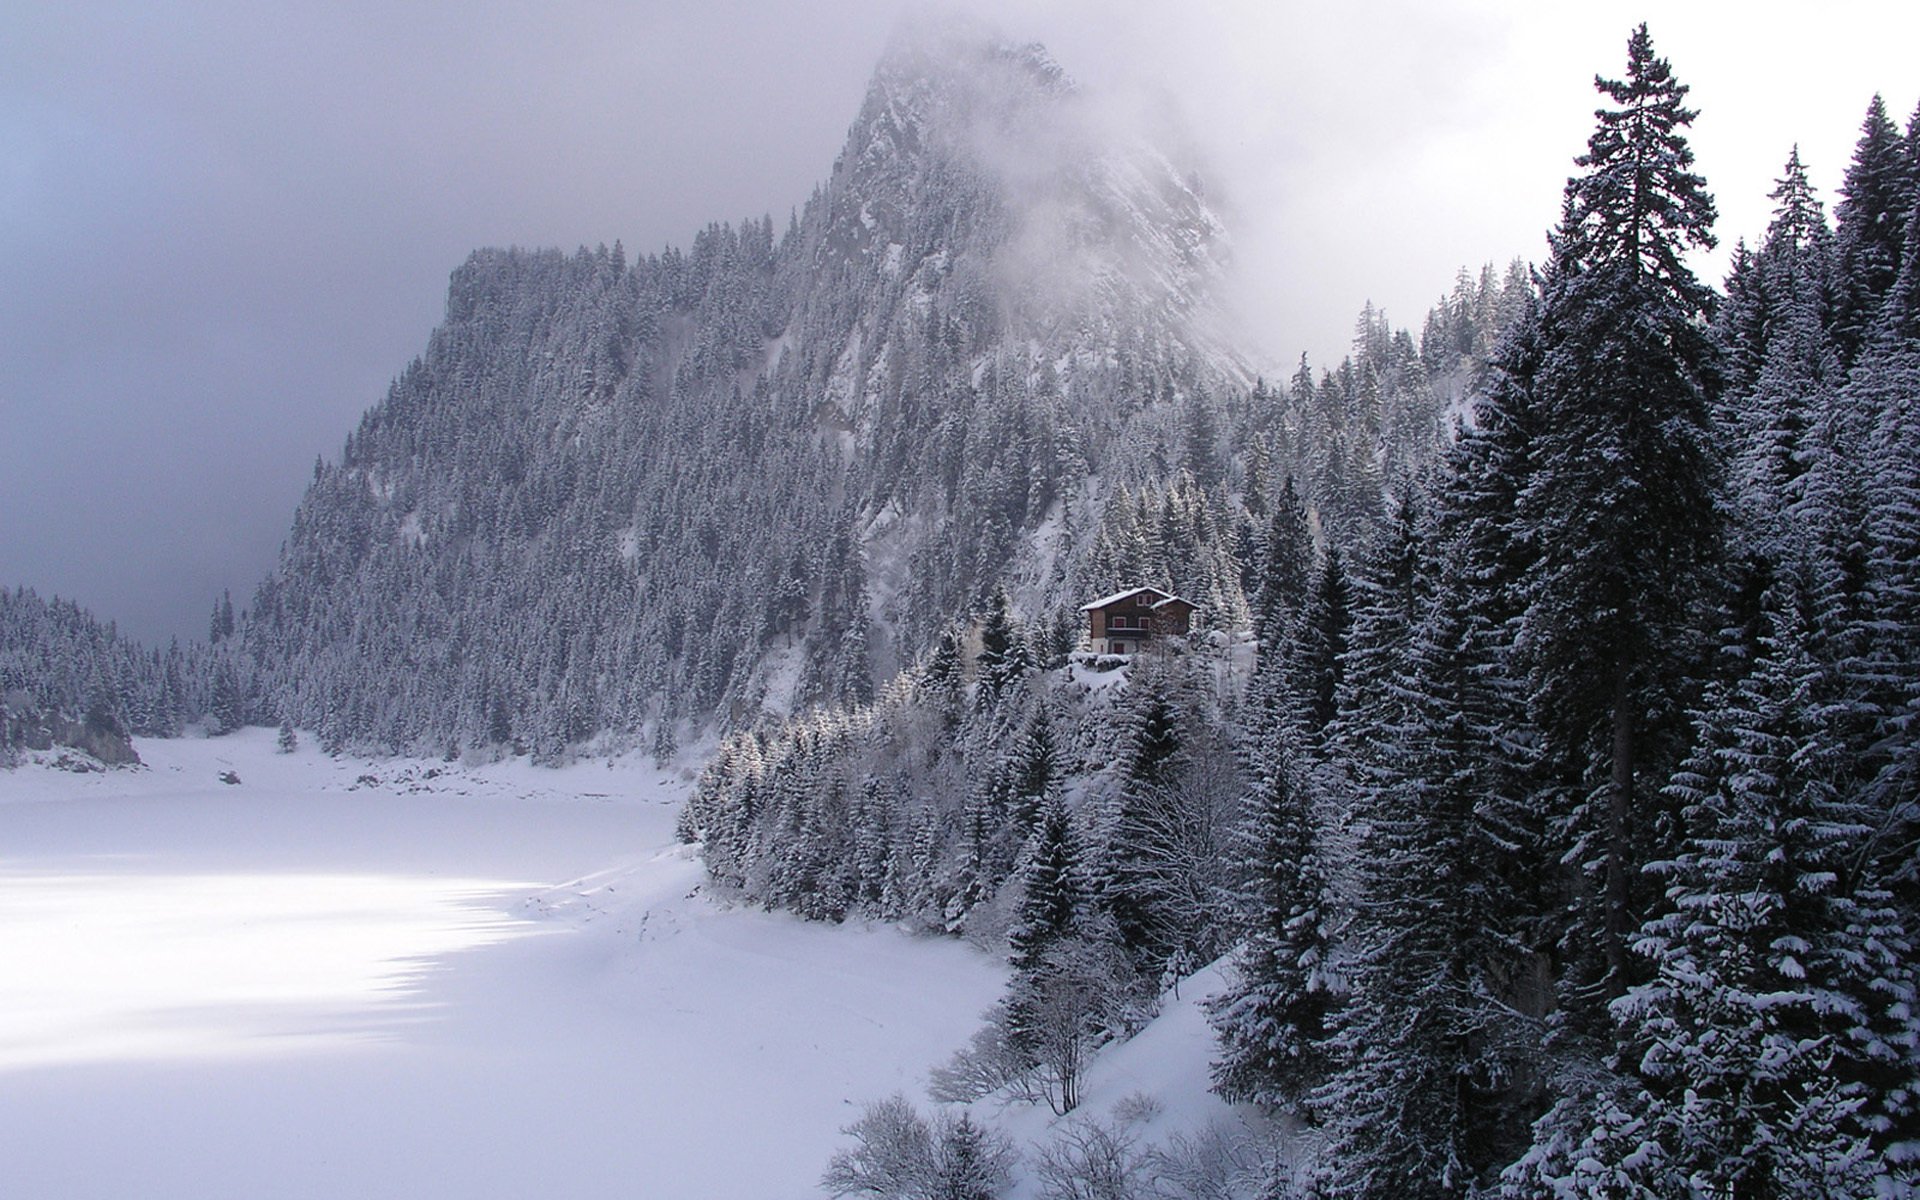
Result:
67,678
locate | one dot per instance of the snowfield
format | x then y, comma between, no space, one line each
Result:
405,979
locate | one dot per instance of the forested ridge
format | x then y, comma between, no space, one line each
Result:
69,679
619,500
1560,818
621,503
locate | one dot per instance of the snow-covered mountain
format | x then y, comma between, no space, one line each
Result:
768,469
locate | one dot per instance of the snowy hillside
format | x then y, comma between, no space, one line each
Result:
338,978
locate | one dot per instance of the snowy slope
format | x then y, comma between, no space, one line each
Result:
1155,1091
340,978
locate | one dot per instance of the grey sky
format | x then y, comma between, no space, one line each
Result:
225,226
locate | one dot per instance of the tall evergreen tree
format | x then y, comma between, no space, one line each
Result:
1034,772
1875,199
1285,568
1051,895
1003,659
1775,1051
1272,1019
1149,765
1389,591
1315,658
1790,370
221,624
1622,506
1436,1049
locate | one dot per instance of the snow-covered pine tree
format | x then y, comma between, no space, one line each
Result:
1876,196
1285,566
1776,1050
1033,772
1052,898
1790,371
1315,657
1271,1021
1622,506
1436,1049
1795,266
1389,589
1118,862
220,625
970,1161
1003,659
942,680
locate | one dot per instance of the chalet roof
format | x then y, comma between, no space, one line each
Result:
1165,598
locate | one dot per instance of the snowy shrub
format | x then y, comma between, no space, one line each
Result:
1220,1162
989,1063
900,1155
1090,1160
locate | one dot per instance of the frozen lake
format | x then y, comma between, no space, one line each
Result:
347,979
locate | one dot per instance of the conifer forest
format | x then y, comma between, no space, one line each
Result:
1542,764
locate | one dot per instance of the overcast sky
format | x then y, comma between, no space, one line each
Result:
225,226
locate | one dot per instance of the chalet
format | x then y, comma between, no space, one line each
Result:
1128,621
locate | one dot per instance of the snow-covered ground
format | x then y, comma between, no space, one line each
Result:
337,978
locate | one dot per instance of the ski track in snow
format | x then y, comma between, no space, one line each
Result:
340,978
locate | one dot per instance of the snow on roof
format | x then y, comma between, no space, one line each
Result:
1117,597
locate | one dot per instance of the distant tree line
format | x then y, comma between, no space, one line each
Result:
66,676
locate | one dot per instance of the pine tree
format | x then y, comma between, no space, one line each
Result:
226,702
1051,895
1272,1020
1315,659
1285,567
1774,416
969,1162
1775,1051
1389,594
1740,322
1875,199
1003,660
1148,762
1622,507
1436,1049
1899,320
220,625
1153,728
941,678
1034,772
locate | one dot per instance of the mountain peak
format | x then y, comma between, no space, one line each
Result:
971,145
960,53
945,83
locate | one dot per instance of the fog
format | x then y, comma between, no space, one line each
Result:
224,227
